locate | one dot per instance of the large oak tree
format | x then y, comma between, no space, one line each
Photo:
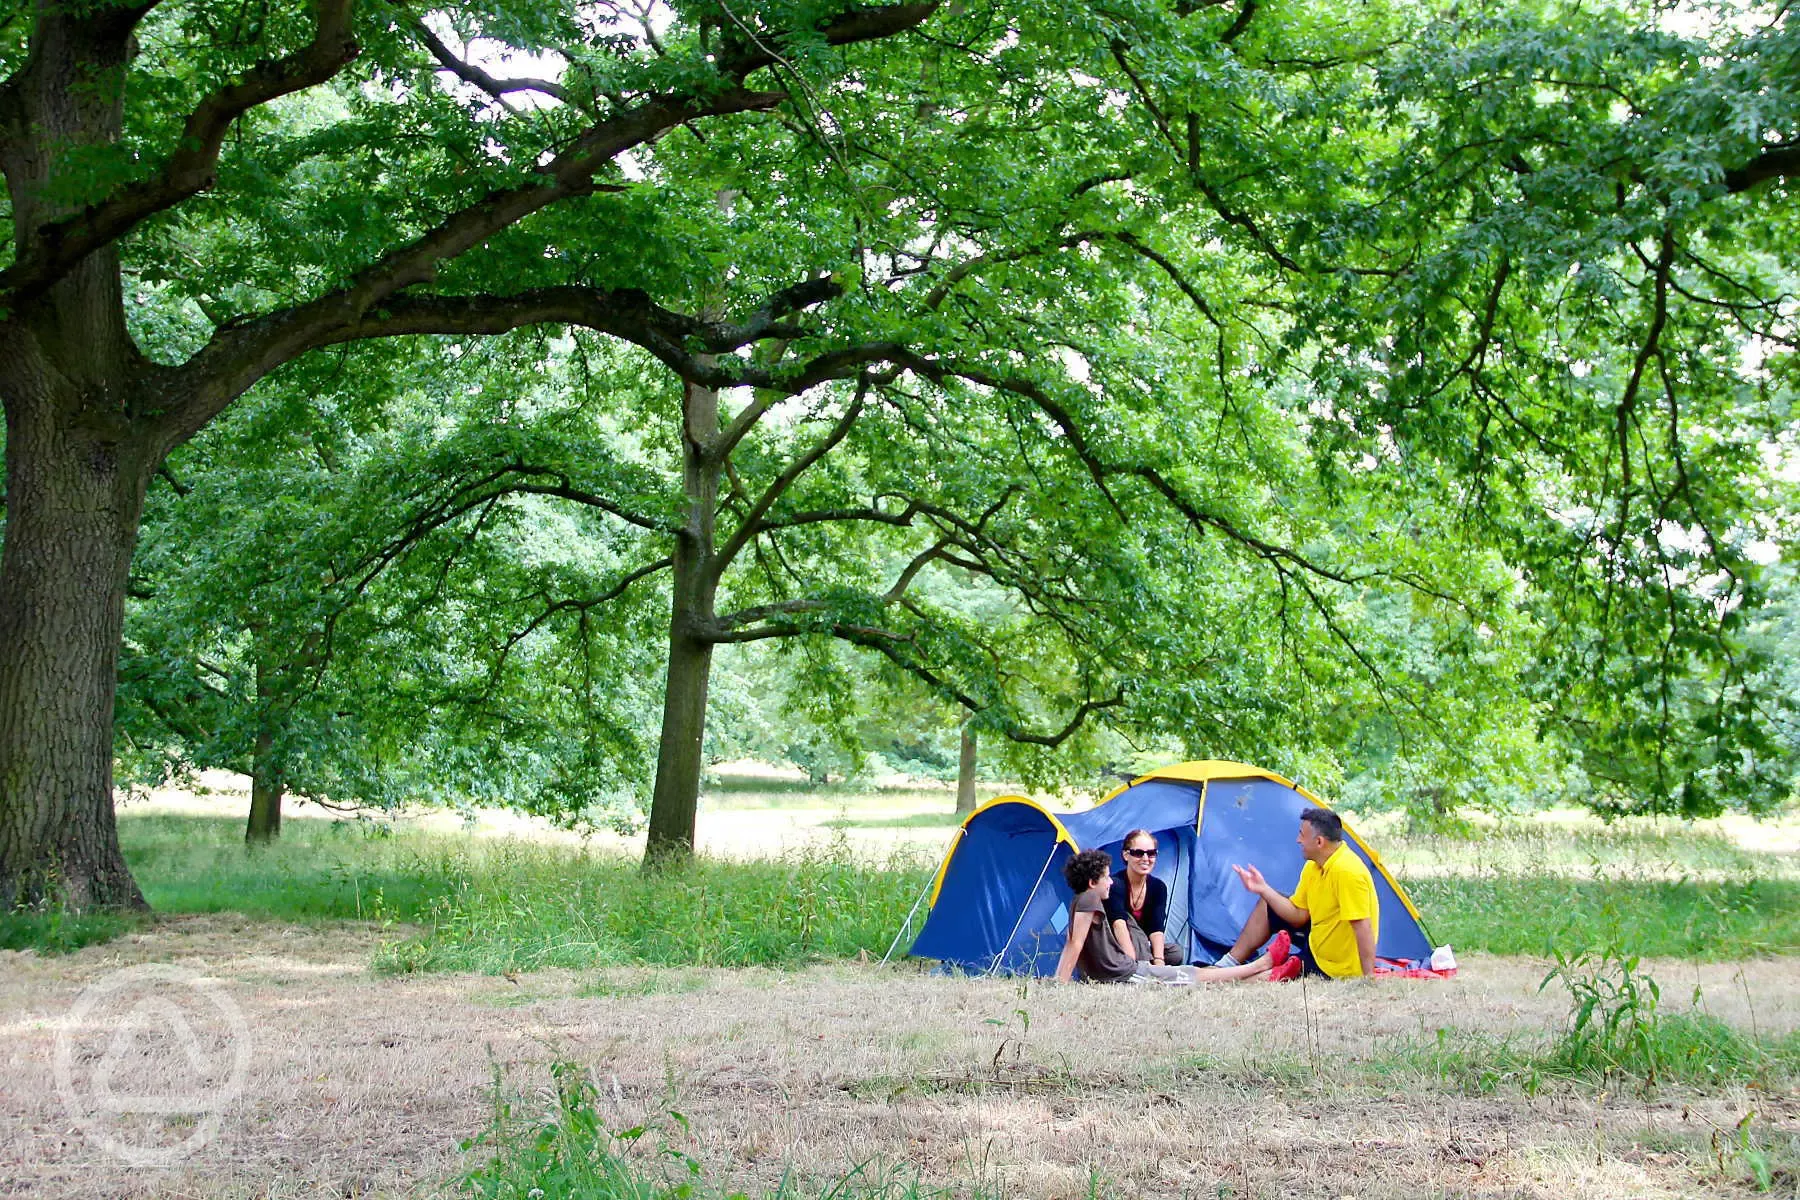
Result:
1365,224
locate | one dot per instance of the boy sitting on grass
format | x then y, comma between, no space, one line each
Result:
1092,946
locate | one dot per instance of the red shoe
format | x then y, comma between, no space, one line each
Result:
1280,948
1289,970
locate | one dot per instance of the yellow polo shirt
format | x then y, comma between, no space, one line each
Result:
1334,895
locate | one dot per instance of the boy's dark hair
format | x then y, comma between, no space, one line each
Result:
1084,868
1326,822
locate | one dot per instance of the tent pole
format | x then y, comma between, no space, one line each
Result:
916,903
907,925
995,965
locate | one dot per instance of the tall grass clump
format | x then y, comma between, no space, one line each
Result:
59,931
522,907
1619,1029
568,1152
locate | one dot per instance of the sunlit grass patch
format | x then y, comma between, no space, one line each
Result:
317,870
1578,844
1528,913
926,820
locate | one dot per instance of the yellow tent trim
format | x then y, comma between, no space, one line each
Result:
1062,835
1204,771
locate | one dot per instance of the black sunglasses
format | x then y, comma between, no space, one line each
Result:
1140,854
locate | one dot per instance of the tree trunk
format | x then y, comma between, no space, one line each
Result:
265,799
267,776
79,455
965,773
676,799
266,788
75,482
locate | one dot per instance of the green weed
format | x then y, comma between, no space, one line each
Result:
58,931
1613,1026
1618,1029
570,1152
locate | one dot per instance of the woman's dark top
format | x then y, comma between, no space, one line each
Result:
1155,914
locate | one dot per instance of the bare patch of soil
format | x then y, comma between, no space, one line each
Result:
364,1085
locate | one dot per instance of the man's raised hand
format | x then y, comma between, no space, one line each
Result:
1251,878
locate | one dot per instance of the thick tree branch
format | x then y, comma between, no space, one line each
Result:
471,74
751,524
1777,162
47,253
822,516
743,54
1624,413
239,355
1242,23
566,491
911,571
1127,238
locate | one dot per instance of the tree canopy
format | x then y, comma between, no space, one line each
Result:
1196,327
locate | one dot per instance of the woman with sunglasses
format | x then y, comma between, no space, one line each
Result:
1137,910
1092,948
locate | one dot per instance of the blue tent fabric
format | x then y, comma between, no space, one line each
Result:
1002,905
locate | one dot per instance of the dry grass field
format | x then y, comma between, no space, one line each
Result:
856,1080
361,1085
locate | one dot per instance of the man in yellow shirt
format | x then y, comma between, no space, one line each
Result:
1333,916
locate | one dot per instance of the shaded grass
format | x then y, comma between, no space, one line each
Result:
54,931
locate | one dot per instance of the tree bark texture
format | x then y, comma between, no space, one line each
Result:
676,798
79,457
75,483
266,791
965,773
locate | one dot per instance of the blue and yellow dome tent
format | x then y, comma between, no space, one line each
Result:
999,903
